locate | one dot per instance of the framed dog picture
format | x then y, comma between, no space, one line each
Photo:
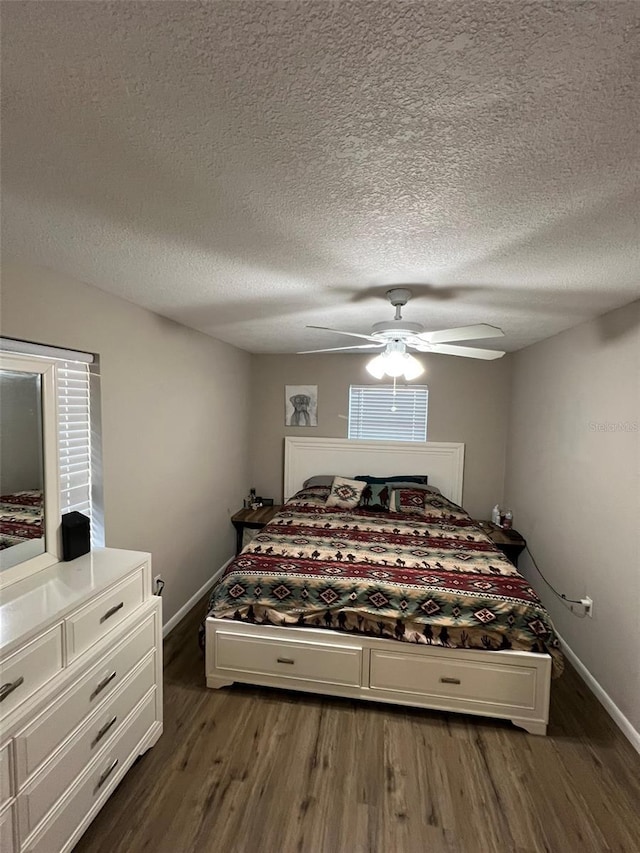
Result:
301,405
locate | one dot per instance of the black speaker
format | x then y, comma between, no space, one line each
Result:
76,535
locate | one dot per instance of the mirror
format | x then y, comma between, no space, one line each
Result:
21,468
29,505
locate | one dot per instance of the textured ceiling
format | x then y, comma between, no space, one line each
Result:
250,167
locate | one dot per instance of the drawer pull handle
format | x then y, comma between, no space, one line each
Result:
9,687
103,731
286,660
446,680
103,684
111,611
106,774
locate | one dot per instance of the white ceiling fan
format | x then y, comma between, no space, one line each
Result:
394,336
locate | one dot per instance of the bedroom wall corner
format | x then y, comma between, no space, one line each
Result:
468,402
573,482
175,421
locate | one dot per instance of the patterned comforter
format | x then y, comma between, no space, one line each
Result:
432,578
21,517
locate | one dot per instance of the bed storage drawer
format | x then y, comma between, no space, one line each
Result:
289,659
34,743
96,782
450,678
90,623
22,673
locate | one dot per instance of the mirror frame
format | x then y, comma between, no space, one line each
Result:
51,496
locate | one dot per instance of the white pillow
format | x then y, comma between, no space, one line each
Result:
345,494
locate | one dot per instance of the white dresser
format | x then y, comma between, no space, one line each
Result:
80,694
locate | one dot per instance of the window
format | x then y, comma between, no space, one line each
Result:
78,430
74,437
389,414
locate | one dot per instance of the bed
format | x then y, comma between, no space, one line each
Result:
21,517
412,606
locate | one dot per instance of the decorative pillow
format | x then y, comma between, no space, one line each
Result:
439,500
311,496
408,500
437,506
375,496
344,493
319,480
397,478
433,489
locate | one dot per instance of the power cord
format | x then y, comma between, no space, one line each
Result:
581,601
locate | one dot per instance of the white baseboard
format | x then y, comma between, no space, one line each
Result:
186,607
632,734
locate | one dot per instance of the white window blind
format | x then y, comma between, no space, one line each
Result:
384,413
74,437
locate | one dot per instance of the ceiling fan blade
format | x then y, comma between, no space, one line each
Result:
350,334
342,349
462,333
467,352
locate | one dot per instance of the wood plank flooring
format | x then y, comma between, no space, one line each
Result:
251,769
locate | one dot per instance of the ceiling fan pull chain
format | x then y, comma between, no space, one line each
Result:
394,408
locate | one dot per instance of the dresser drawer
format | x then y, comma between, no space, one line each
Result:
92,622
289,659
7,820
39,739
99,780
448,678
30,668
95,735
6,783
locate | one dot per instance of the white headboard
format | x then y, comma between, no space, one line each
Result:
442,461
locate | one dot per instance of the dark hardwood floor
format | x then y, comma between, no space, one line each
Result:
251,769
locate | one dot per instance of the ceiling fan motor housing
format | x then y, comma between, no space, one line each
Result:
396,330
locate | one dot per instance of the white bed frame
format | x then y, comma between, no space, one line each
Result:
504,684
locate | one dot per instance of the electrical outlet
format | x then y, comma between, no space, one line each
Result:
158,583
582,608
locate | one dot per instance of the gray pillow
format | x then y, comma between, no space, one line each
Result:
408,484
319,480
396,478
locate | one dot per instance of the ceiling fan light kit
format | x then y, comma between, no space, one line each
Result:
398,334
395,361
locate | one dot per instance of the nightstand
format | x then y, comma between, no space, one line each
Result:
510,542
254,519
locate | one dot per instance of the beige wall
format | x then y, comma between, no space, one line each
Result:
175,406
574,487
467,402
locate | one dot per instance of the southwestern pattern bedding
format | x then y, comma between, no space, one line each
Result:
21,517
430,577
